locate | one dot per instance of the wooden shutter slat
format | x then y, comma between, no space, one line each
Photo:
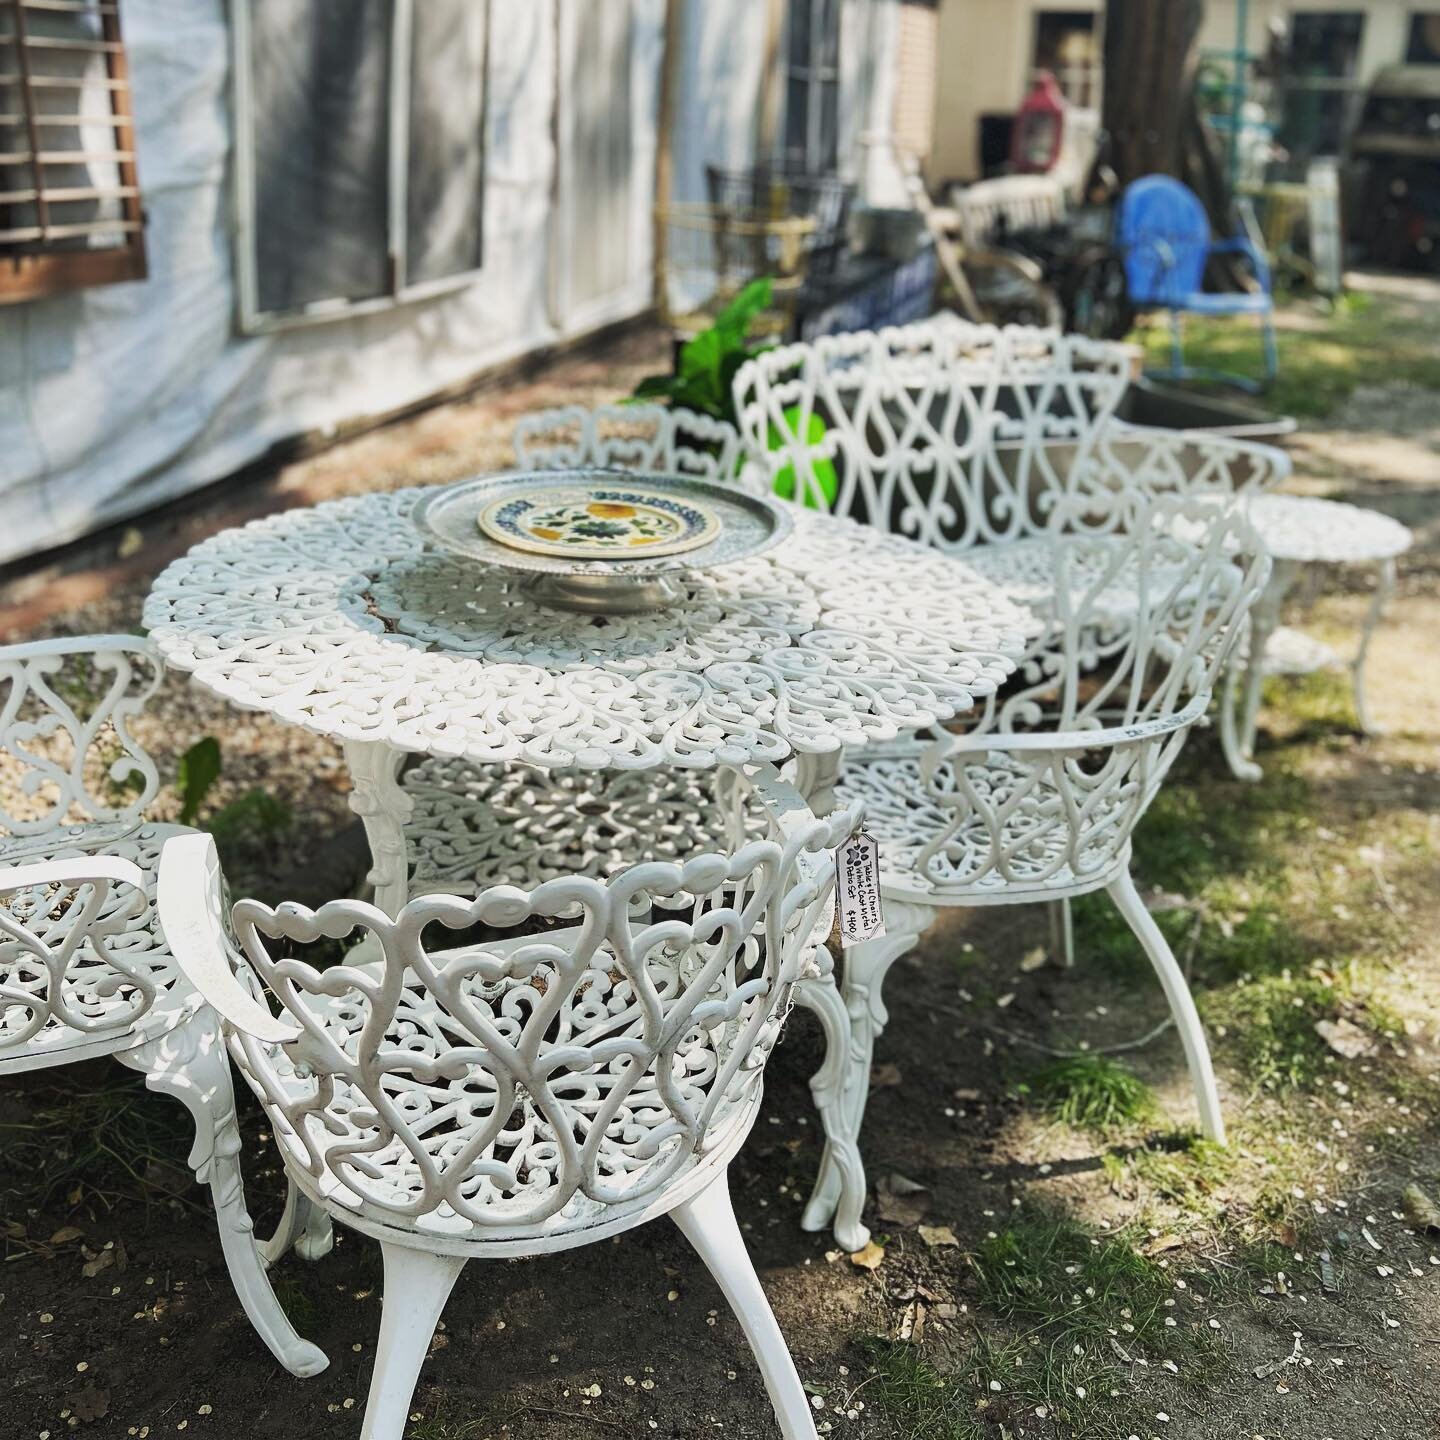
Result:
71,195
58,82
56,42
28,233
72,7
64,157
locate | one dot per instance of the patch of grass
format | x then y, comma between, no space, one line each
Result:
294,1297
913,1395
1320,365
1083,1300
1063,1306
1269,1027
1269,1022
1189,1174
1092,1092
1072,1285
1319,706
103,1130
441,1423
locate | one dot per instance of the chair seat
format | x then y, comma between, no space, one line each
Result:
492,1184
1025,569
100,1011
1238,302
998,855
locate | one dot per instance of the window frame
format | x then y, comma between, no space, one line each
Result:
250,318
814,75
36,274
1414,34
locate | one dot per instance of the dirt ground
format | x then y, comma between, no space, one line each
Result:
1060,1256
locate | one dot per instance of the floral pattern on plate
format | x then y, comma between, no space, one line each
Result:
599,523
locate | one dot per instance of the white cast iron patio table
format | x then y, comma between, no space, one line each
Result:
1302,531
343,619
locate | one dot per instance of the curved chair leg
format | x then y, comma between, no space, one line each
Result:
1272,348
842,1154
1264,618
1384,589
708,1223
1241,766
1182,1004
417,1285
865,968
190,1064
1062,932
304,1227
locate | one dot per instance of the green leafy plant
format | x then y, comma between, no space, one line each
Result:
706,363
198,772
704,379
255,812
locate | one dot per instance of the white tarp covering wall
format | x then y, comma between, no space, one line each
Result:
117,398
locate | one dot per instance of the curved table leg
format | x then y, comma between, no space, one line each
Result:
1240,767
383,806
1264,620
1384,589
864,969
840,1163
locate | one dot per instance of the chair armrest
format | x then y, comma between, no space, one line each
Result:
1244,242
1078,741
81,645
71,872
189,908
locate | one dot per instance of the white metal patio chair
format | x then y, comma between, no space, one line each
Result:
1039,802
984,445
966,436
85,970
577,1072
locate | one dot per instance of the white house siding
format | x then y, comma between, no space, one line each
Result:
117,398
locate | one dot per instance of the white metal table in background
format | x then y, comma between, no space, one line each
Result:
1301,532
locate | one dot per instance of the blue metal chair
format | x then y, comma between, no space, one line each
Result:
1165,242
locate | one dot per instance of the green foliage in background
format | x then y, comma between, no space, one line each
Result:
706,364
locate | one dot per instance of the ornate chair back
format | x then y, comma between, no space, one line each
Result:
647,438
67,753
1059,769
544,1076
938,430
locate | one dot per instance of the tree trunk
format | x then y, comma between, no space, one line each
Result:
1150,119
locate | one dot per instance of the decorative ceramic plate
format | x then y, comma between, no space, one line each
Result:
599,522
690,522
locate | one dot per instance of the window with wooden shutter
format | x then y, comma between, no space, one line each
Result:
69,198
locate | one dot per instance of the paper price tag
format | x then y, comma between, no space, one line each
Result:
857,887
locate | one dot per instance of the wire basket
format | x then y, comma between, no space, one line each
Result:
711,252
776,191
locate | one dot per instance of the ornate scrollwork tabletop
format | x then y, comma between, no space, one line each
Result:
1308,529
344,620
